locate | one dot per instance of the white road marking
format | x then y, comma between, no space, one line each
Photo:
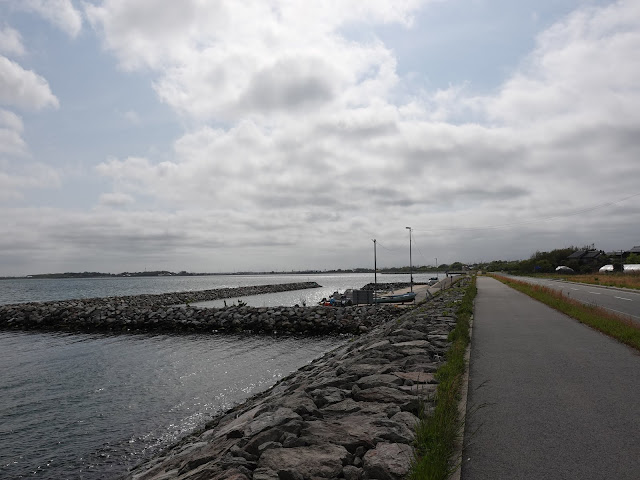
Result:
596,293
622,298
574,288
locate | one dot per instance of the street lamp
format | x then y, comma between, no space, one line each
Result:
410,262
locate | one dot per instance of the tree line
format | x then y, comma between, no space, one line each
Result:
547,262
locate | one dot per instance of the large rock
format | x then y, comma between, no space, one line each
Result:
378,380
406,401
388,461
327,396
301,403
349,405
355,431
269,420
323,461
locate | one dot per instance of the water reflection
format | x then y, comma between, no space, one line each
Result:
89,406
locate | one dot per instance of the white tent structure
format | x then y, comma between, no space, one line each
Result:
563,269
628,267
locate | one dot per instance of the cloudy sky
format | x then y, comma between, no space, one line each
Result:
275,135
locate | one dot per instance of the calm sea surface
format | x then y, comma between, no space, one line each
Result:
83,406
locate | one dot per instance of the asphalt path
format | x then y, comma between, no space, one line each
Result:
424,292
622,301
549,398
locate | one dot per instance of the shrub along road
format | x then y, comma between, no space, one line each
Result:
548,396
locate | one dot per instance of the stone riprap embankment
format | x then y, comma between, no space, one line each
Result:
350,414
158,313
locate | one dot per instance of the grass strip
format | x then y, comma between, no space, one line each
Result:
438,432
619,327
617,279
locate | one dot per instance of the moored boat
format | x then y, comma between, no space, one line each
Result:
400,298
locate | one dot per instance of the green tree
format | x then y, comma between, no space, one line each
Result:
544,266
633,258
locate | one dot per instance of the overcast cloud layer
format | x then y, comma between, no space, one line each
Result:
279,135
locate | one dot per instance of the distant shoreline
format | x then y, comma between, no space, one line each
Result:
390,271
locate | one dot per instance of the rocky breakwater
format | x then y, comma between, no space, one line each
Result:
155,313
177,298
350,414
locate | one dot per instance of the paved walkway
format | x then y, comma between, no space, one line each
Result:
422,291
549,398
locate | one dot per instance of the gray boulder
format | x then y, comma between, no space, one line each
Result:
388,461
324,461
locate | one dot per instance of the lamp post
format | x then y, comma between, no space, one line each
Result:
410,262
375,275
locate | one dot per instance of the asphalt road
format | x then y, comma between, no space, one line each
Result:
621,301
549,398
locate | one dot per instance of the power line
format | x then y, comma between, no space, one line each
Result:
418,248
387,249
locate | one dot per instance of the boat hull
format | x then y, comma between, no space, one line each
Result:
401,298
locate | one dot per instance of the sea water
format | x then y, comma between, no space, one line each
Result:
88,406
91,406
21,290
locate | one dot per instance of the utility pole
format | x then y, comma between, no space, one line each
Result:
410,261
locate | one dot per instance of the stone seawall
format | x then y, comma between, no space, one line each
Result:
349,414
159,313
123,319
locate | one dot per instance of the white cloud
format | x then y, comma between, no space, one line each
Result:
60,13
132,117
23,88
115,199
11,42
302,144
225,60
583,70
13,182
317,130
11,141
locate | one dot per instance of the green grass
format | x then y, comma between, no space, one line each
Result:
619,327
437,433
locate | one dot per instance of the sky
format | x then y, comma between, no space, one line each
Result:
260,135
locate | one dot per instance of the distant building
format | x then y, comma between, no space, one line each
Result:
619,255
586,256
